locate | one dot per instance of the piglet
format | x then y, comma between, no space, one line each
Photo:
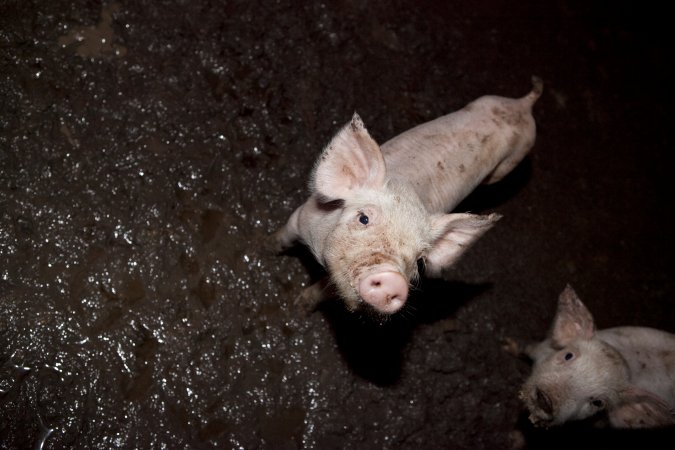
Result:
628,372
375,212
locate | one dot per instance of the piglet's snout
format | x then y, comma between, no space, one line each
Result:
543,401
385,291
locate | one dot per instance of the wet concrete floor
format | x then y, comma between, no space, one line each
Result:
147,148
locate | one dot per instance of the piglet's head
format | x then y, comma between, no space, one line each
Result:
383,230
577,375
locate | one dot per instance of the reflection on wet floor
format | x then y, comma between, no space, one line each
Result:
96,41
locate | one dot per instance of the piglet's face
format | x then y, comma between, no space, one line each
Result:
372,254
577,374
573,383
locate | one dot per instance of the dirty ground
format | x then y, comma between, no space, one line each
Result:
147,148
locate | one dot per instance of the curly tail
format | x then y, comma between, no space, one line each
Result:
537,89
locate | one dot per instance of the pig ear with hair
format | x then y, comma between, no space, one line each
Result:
352,160
455,234
638,408
572,320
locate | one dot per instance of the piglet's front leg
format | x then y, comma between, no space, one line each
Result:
314,294
285,237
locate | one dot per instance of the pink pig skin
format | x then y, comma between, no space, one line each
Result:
628,372
374,212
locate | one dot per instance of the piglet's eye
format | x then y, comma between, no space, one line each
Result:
568,356
363,219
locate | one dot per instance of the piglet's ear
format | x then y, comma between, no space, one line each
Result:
572,320
351,161
641,409
456,233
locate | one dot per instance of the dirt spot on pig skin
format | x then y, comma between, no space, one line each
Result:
436,139
512,119
485,138
324,155
371,260
498,122
440,165
461,168
348,172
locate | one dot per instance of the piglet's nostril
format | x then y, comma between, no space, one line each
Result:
544,401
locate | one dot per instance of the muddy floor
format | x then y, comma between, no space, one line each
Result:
147,148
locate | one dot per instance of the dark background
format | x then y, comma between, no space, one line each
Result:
147,148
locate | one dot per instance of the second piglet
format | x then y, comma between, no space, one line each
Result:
628,372
374,212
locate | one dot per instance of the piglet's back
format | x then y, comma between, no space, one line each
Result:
650,355
446,158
